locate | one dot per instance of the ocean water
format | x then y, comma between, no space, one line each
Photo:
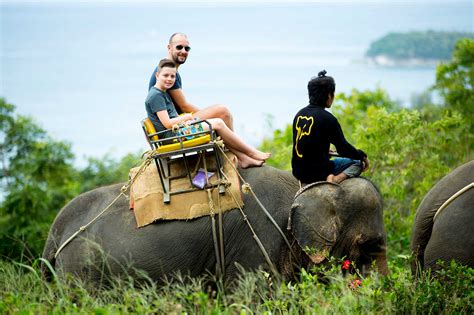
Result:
82,69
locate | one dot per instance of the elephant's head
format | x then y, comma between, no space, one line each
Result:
341,220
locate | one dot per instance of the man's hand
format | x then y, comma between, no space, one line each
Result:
188,119
365,164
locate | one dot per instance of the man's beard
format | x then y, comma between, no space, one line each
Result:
177,61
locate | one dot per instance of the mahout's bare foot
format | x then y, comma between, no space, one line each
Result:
330,178
337,179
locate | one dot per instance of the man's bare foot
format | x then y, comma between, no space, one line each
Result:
259,155
337,179
247,161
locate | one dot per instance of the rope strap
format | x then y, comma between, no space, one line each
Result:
255,237
246,188
123,190
214,233
450,199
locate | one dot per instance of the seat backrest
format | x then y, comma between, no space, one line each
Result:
149,129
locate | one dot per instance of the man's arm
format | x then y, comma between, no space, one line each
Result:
343,147
152,79
180,101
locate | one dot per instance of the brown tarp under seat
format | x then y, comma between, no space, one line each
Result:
146,193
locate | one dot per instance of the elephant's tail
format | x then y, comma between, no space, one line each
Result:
48,261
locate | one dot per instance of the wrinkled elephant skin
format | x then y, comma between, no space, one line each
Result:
450,235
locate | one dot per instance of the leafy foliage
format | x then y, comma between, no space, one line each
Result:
422,45
281,147
455,80
324,289
106,170
38,178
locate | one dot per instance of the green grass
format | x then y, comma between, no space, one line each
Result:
323,290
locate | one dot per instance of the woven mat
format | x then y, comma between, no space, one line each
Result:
146,193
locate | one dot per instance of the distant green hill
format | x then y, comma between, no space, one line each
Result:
427,46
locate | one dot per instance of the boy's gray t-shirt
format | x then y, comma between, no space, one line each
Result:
157,101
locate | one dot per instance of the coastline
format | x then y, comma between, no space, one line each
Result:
386,61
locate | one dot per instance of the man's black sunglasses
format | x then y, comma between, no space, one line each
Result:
187,48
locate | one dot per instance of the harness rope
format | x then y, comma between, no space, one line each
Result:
221,236
124,188
255,237
214,233
246,188
450,199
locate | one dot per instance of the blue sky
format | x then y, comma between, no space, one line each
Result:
235,2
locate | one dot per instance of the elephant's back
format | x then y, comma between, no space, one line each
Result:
271,186
447,186
434,199
452,236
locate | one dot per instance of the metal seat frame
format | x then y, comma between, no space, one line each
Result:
163,160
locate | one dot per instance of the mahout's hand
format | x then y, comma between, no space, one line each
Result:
365,164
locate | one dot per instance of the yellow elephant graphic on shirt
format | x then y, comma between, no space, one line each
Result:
303,128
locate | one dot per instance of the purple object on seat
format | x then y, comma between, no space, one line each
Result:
200,179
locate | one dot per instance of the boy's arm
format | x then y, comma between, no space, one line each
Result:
169,122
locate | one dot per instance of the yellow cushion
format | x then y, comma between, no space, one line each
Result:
150,128
186,144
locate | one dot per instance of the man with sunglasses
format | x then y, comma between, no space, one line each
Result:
178,51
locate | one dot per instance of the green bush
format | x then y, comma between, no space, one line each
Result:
38,178
324,289
455,81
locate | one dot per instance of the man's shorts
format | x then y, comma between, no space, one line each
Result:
189,131
350,167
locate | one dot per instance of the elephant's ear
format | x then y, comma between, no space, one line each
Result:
314,220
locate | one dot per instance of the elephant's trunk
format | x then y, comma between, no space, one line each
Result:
381,264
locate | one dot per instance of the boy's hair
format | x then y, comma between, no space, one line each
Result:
165,63
319,88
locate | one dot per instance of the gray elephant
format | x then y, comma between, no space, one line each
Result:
443,228
324,219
